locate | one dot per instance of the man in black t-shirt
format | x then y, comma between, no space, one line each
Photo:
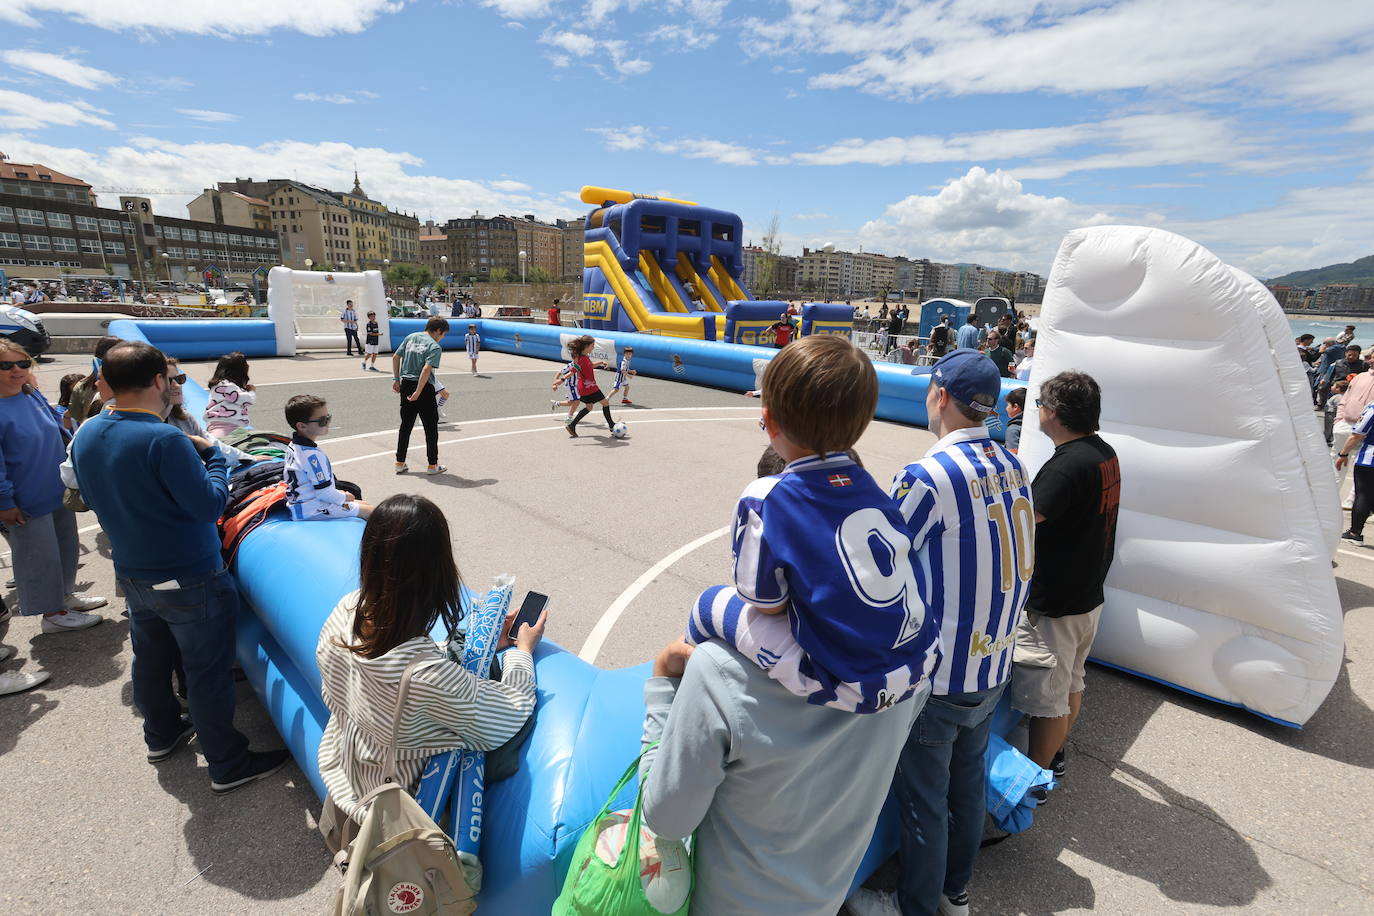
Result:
939,338
1076,496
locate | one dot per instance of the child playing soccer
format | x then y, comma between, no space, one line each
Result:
473,342
622,378
826,598
567,377
312,493
370,345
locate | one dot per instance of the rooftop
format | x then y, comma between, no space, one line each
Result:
33,171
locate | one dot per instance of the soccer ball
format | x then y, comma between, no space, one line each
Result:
664,870
620,430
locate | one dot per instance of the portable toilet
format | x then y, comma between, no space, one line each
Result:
989,309
932,310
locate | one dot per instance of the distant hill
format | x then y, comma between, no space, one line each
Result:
1360,272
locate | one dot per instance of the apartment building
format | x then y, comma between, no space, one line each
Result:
313,225
573,236
405,237
543,247
31,179
845,274
433,245
478,245
371,225
231,208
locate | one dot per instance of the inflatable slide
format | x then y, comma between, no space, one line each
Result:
1222,583
665,266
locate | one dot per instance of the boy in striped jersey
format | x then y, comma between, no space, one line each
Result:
826,598
622,378
968,509
472,341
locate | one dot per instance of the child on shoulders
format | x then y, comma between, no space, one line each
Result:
826,597
312,493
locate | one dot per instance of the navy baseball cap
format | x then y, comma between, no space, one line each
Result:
964,374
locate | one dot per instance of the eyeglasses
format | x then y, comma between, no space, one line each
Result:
321,421
179,378
8,364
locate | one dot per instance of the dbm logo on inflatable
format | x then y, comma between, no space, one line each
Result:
759,333
839,329
597,305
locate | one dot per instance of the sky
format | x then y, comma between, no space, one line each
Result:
969,131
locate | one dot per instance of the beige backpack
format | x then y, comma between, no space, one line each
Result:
399,861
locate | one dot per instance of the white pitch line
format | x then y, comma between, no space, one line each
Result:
1358,554
591,648
381,376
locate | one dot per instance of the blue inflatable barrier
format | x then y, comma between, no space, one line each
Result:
827,318
749,322
202,338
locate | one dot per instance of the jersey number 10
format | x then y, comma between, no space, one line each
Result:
1019,528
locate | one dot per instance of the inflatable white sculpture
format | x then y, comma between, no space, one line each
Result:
1222,583
305,305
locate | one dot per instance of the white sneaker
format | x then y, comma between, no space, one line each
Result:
868,902
436,469
10,583
84,602
954,906
69,620
21,681
443,415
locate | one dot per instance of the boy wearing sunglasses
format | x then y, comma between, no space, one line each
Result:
312,493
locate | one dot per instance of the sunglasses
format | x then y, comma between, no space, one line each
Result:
179,378
322,421
8,364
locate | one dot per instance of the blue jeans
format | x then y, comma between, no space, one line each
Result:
192,624
941,786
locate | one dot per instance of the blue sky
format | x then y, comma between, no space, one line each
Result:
962,131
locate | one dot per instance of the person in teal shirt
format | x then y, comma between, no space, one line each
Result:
413,369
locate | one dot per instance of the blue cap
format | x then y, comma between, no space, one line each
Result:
964,374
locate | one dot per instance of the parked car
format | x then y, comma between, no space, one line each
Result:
24,328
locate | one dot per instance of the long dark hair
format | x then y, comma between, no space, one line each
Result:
102,346
231,367
409,580
178,411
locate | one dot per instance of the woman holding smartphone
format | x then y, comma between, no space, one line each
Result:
409,582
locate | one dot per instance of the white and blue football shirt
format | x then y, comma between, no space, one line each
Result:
824,538
1365,456
473,343
968,509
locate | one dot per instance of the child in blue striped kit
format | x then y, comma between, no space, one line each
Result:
826,597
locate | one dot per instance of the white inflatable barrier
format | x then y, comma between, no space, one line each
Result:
294,295
1222,583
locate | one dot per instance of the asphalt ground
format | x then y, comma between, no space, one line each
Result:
1172,804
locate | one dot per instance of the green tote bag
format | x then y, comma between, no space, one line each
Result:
593,888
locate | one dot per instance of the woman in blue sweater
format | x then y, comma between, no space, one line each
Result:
42,534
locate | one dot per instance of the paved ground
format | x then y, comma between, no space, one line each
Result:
1172,804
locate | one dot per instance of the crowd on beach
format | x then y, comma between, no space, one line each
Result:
1340,374
865,636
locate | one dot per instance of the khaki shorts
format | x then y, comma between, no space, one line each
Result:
1050,656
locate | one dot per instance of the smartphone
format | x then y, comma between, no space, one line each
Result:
530,610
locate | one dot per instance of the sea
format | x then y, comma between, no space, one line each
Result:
1364,330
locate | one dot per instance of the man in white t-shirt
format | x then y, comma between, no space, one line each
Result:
349,317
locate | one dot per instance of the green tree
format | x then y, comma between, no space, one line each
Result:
538,275
768,259
412,277
500,275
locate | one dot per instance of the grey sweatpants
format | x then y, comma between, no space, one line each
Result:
44,556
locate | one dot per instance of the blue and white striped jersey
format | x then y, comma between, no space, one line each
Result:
311,493
1365,456
825,539
473,343
968,509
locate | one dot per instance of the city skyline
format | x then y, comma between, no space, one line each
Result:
975,134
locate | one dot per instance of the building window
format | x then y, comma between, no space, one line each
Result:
114,247
37,242
86,224
59,221
9,240
90,246
6,215
59,243
109,225
29,217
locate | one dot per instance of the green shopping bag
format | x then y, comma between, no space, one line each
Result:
595,888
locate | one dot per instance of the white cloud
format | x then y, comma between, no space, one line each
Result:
333,98
367,94
594,51
619,139
395,177
506,184
808,217
209,117
982,216
519,9
682,37
69,71
21,111
247,17
719,151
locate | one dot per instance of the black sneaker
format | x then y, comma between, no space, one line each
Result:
1058,766
1041,796
157,755
254,767
1352,536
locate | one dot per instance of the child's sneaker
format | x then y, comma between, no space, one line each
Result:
553,408
401,467
435,469
443,414
364,365
626,401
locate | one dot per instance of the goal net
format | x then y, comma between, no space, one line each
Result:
305,306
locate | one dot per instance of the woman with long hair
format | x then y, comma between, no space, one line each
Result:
408,583
231,394
187,423
87,397
41,532
588,392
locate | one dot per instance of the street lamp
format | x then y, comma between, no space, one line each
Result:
167,262
522,266
309,264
